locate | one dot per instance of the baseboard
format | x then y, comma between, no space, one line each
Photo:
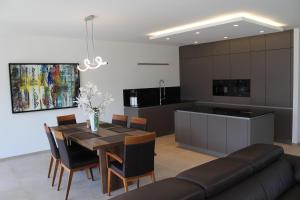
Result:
24,155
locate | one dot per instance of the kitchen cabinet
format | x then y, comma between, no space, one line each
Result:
237,134
221,134
216,133
240,66
258,78
221,67
183,127
278,78
239,45
199,130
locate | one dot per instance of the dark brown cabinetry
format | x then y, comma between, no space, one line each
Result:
258,78
278,78
221,67
265,59
240,66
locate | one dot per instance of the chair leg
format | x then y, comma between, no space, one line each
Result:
60,177
88,175
55,171
153,177
125,185
50,166
108,181
91,172
69,184
138,183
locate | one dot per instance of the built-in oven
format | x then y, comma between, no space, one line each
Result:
232,87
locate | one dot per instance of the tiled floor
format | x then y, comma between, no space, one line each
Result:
25,178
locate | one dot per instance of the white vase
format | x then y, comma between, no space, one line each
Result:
94,120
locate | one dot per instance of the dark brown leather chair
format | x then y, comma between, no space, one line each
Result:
137,162
138,123
54,153
73,162
120,120
66,119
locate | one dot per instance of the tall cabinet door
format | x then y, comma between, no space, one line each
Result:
203,82
258,78
278,78
216,126
188,76
182,127
199,130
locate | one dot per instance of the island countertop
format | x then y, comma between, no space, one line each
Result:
245,113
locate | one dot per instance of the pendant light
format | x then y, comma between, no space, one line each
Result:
91,61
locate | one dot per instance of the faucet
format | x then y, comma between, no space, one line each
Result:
162,86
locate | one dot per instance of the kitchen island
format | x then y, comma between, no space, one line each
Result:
220,131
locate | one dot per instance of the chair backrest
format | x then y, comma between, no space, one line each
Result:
121,120
66,119
53,147
64,152
138,123
139,154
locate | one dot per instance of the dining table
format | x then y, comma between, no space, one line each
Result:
109,137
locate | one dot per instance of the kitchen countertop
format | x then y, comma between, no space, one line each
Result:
245,113
170,102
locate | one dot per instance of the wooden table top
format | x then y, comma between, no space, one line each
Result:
108,134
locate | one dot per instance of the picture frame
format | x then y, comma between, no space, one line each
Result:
43,86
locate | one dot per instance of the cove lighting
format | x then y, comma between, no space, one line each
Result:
224,19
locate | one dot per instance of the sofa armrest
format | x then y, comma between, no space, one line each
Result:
295,162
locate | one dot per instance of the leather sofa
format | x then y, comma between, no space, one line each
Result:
257,172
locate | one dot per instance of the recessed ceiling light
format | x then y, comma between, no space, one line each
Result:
196,42
226,37
262,31
168,38
236,25
231,18
197,33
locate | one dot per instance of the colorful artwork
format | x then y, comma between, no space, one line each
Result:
36,87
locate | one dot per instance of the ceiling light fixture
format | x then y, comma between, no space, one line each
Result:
262,31
224,19
197,33
195,42
226,37
235,25
167,38
91,61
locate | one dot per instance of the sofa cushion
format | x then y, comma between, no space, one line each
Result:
291,194
258,155
168,189
276,178
217,175
249,189
295,162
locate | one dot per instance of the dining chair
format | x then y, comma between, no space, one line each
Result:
73,162
138,123
54,158
137,161
121,120
66,119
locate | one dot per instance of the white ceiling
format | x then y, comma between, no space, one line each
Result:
131,20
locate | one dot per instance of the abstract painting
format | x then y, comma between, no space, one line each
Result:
36,87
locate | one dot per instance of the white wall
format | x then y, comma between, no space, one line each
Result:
296,88
23,133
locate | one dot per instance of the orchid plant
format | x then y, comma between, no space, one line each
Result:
92,101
